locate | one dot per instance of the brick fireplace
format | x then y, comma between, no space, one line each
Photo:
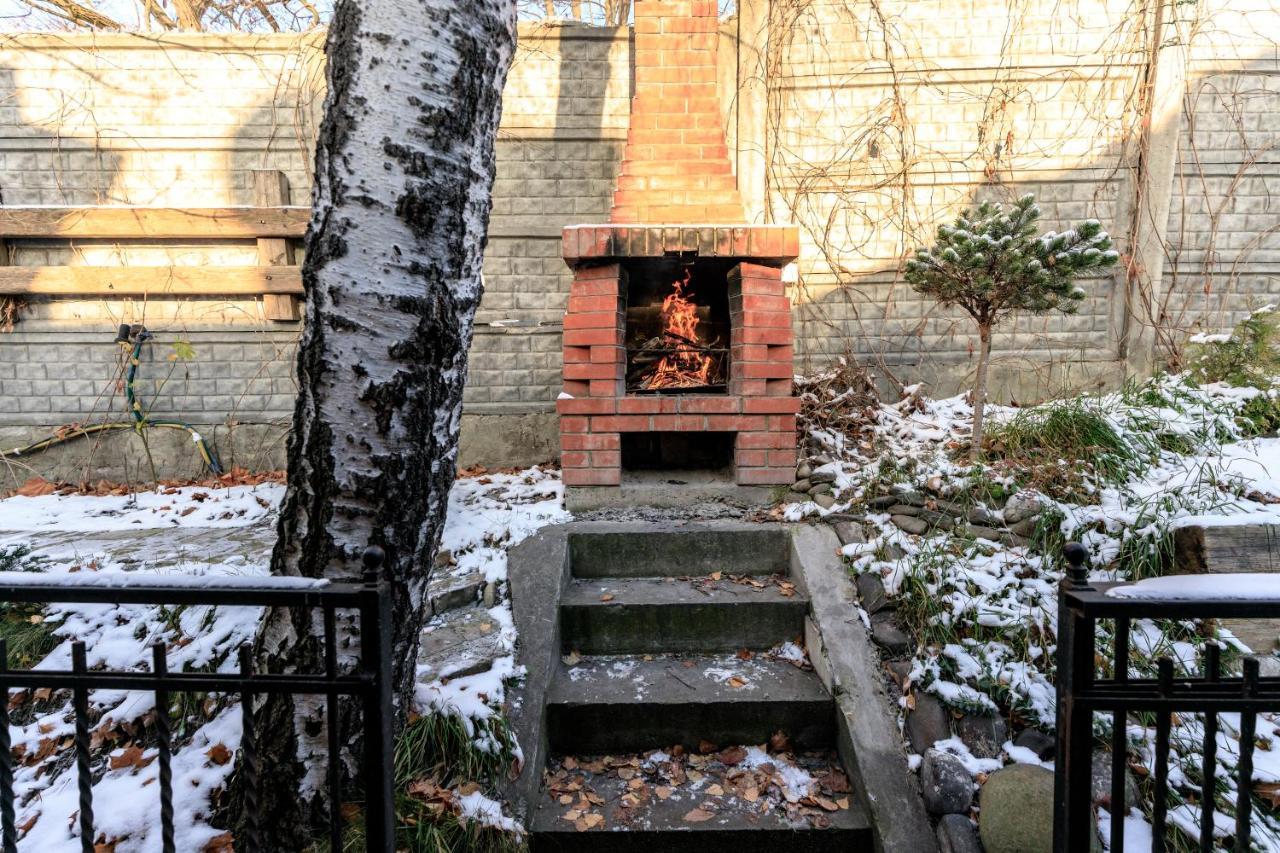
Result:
677,340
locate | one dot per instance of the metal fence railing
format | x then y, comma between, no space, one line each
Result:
369,683
1082,694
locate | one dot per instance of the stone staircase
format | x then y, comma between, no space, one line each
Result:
669,642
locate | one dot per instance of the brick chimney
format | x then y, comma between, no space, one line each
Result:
676,166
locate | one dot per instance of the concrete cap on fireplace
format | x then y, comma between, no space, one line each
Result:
770,245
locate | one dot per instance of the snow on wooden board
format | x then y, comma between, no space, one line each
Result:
1249,586
185,506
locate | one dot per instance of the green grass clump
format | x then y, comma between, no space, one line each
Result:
1074,431
1249,357
28,636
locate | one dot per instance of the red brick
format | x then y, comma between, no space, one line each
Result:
736,423
781,458
766,319
621,423
577,388
747,387
577,355
588,304
607,354
771,405
592,476
586,406
777,387
576,370
764,476
572,425
751,458
756,302
757,335
646,405
756,370
574,459
606,272
604,387
782,423
594,287
766,440
606,458
594,320
591,337
709,405
590,441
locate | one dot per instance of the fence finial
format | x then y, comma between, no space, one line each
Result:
372,558
1077,555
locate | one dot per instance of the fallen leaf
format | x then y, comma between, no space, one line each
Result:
223,843
736,682
715,576
36,487
572,659
662,792
732,756
779,742
219,754
131,756
715,791
744,654
698,816
608,596
706,747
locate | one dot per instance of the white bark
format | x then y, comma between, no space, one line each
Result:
404,168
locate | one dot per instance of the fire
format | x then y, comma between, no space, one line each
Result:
687,365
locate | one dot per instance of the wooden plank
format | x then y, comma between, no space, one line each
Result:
149,281
157,223
271,189
1227,549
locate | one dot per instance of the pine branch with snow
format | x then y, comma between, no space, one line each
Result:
992,263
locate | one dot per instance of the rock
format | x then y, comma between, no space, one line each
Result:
871,591
904,509
1015,541
982,516
937,519
803,470
913,499
945,784
1025,528
1017,810
911,525
882,502
951,508
820,459
801,486
826,500
927,723
1101,783
957,834
795,498
849,532
444,557
893,551
825,474
1021,505
991,534
899,670
1043,745
821,489
890,637
490,593
983,734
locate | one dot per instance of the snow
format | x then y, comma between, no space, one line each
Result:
486,515
1243,586
233,506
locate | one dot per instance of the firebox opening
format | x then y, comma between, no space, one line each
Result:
678,451
677,332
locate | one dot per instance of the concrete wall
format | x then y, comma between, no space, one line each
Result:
865,123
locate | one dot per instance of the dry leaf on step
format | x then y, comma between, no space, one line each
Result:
698,816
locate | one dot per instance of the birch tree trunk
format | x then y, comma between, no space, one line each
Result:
404,169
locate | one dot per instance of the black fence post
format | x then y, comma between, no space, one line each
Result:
1072,809
379,717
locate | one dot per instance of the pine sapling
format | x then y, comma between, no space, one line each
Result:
992,264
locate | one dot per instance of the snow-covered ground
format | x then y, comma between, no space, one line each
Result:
192,535
987,611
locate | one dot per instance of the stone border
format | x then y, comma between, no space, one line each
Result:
869,741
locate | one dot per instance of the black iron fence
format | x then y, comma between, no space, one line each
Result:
1082,694
369,683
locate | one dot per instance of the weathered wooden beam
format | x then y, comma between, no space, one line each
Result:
157,223
149,281
1227,548
270,190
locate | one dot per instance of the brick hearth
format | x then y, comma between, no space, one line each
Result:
677,197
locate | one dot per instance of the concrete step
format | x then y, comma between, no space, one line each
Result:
627,703
742,809
651,615
678,550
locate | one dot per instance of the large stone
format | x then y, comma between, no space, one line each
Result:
890,637
982,516
927,723
1017,810
1043,745
904,509
1025,528
826,500
957,834
871,592
849,532
882,502
825,474
803,470
983,734
1101,783
1021,506
944,783
918,526
801,485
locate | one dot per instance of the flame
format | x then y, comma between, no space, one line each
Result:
686,367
